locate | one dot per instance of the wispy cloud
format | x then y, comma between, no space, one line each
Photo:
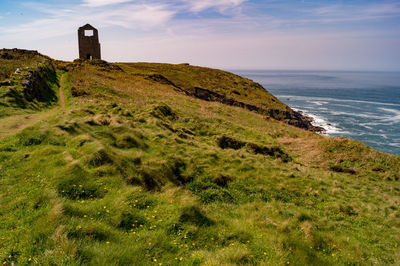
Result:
64,21
247,31
383,9
137,15
351,13
192,5
200,5
97,3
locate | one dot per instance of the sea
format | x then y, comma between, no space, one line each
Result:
364,106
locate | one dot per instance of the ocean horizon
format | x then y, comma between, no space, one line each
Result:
362,105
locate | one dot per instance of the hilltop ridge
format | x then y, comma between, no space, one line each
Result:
151,164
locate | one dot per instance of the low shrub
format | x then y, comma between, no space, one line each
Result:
222,180
131,220
348,210
340,169
142,201
164,111
127,141
34,137
100,158
212,195
78,91
194,215
209,192
276,152
225,142
77,184
283,195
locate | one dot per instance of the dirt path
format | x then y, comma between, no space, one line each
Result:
13,124
61,92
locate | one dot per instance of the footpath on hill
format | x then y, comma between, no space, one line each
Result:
14,124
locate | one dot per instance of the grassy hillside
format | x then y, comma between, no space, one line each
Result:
12,59
136,171
220,86
28,82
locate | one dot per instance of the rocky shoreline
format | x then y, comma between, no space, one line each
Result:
300,120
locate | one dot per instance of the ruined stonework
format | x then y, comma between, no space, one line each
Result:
89,46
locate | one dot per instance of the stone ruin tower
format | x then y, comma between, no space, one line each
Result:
89,46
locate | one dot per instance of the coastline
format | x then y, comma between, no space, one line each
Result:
300,119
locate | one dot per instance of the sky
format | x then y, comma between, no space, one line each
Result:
228,34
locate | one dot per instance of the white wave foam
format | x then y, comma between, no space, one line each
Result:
364,115
395,118
319,103
319,121
366,125
394,144
319,99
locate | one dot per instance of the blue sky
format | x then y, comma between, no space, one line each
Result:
235,34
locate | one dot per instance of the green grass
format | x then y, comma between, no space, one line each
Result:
10,60
135,172
17,98
186,78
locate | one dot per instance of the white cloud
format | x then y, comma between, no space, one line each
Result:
351,13
96,3
136,16
191,5
200,5
60,22
384,8
154,30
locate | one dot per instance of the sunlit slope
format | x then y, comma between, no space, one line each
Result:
28,82
220,86
136,171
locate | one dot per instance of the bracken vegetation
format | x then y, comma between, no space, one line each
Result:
134,171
